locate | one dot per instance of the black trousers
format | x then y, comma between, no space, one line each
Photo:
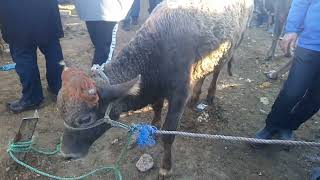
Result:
27,69
299,98
101,37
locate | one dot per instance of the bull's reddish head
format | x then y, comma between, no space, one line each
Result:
82,102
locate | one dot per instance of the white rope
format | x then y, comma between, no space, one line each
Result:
113,42
236,139
239,139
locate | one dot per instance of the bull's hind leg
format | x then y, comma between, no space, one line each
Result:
213,86
229,67
157,109
177,104
196,93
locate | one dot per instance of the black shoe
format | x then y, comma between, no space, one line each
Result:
265,133
52,94
19,106
315,175
286,134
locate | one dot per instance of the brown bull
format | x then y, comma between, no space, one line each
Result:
179,45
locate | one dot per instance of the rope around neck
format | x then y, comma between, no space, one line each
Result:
22,147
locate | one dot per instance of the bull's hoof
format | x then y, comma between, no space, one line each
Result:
273,75
268,58
193,103
210,100
157,124
164,174
288,55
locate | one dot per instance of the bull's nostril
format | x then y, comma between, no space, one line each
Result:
67,158
85,120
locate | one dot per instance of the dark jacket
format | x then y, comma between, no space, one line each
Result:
30,22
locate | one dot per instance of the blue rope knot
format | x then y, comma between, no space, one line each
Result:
146,134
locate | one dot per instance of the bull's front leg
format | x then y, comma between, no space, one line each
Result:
157,109
272,50
176,108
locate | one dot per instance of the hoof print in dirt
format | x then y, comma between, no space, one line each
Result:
145,163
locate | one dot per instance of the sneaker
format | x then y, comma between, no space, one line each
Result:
286,134
52,94
19,106
265,133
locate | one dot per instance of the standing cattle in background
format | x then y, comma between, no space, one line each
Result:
281,9
277,12
175,49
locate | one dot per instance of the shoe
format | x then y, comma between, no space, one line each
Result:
315,175
135,21
52,94
286,134
19,106
265,133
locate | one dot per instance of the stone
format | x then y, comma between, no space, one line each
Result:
145,163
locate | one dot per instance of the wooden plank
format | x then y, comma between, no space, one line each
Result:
25,133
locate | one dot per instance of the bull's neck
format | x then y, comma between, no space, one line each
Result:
132,61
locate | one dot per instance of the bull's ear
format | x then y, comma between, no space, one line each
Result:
112,92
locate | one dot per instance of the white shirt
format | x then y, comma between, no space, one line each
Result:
103,10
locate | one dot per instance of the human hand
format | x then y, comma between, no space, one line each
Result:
289,42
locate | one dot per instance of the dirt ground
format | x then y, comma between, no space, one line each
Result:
237,111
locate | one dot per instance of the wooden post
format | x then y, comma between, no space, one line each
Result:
25,133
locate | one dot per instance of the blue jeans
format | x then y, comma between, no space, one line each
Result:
28,72
299,98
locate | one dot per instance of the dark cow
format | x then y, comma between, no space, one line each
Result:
281,9
176,48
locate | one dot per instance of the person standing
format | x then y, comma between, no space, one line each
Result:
299,98
133,16
100,17
27,26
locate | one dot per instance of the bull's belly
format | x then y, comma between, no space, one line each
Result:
210,62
